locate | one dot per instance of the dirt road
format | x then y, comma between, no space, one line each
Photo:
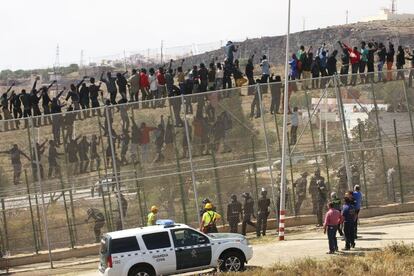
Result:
311,243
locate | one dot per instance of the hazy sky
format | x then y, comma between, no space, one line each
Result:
32,29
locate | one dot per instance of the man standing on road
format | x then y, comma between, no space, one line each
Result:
300,186
234,211
348,217
248,212
357,195
332,220
262,213
99,220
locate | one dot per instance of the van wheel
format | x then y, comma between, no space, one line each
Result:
231,261
141,271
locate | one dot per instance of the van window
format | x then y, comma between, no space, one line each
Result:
124,245
188,237
104,246
157,240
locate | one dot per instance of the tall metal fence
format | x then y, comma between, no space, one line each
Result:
173,152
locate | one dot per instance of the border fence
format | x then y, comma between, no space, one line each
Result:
174,151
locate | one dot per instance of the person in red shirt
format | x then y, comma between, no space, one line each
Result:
162,90
144,141
355,57
332,220
143,86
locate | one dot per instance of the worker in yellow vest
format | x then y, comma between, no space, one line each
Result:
209,220
152,216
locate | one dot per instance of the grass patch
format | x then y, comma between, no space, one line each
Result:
395,259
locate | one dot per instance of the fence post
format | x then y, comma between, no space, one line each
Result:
6,232
39,181
311,128
363,166
399,163
72,243
114,165
326,159
268,154
374,98
277,132
35,240
110,216
191,159
177,160
139,195
103,200
254,167
408,108
217,181
344,132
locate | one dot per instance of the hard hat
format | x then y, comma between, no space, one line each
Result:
356,187
333,194
208,206
154,208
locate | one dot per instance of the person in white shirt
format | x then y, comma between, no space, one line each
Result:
294,120
152,78
219,76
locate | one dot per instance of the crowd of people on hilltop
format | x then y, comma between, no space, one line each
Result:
152,88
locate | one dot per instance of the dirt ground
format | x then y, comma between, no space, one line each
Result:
301,242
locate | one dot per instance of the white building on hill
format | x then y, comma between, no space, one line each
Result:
388,14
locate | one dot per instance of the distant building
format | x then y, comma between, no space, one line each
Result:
388,14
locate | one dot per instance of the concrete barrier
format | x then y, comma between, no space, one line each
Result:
93,249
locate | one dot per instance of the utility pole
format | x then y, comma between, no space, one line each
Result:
304,23
56,68
393,6
162,45
347,16
285,146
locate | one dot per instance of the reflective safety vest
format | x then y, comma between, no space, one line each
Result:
210,217
152,218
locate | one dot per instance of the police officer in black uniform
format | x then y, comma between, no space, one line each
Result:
234,212
262,213
300,186
248,212
99,220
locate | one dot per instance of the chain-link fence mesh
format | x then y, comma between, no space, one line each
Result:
173,152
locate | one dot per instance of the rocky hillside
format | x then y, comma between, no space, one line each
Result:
400,33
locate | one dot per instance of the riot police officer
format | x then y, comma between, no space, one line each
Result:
262,213
248,212
234,212
300,186
318,191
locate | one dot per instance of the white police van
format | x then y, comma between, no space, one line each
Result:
169,248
